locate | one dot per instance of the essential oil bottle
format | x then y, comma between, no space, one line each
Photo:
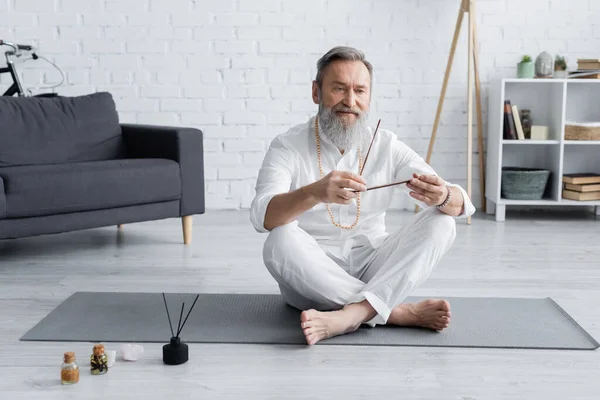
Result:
69,372
98,360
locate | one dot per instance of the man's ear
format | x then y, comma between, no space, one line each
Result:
315,92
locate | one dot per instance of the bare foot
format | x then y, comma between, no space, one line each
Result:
319,325
432,313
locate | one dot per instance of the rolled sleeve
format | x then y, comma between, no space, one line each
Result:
274,177
408,161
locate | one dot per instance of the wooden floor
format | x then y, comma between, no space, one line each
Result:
529,255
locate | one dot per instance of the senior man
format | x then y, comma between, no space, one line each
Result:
328,247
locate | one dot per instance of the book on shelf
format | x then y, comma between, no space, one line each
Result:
580,196
582,178
585,74
517,120
588,63
582,188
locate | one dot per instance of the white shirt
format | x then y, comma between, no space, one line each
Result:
291,163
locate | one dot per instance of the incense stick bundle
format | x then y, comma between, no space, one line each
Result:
180,324
365,163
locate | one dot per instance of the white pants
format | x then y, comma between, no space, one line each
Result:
309,276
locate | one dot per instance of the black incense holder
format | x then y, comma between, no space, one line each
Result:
176,351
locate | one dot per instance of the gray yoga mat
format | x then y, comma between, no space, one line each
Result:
265,318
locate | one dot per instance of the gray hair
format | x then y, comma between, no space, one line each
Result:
341,53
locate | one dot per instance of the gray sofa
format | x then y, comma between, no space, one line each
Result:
67,163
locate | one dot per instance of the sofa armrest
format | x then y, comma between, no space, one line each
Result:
183,145
2,199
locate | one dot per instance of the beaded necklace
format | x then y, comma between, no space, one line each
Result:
321,171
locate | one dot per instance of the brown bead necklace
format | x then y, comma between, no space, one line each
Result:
321,171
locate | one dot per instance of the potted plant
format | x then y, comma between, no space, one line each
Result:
560,67
525,69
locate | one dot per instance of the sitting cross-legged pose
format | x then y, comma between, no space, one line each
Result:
327,245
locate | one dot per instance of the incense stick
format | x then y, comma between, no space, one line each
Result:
382,186
368,151
180,316
168,315
188,314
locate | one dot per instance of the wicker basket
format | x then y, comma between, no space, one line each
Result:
524,183
582,131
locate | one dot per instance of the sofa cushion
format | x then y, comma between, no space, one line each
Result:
45,130
35,190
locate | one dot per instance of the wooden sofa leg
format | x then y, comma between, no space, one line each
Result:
186,221
120,226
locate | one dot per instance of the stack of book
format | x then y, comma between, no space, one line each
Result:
586,68
581,187
512,126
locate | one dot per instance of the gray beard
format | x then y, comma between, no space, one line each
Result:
344,138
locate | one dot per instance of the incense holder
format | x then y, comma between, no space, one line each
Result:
175,352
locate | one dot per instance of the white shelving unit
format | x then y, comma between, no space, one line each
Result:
552,103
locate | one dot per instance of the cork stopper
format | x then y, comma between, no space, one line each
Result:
69,357
98,349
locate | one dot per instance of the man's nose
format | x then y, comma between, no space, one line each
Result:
350,99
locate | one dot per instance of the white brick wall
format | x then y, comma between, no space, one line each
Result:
241,70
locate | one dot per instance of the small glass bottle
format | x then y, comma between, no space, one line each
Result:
98,360
526,123
69,371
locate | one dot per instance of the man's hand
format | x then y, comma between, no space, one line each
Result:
430,189
331,188
285,207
